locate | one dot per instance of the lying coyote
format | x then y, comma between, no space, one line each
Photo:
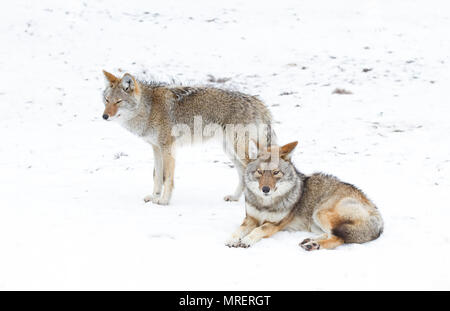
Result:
278,197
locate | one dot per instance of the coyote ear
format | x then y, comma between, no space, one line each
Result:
286,150
129,84
110,78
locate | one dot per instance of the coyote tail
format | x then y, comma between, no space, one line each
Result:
360,232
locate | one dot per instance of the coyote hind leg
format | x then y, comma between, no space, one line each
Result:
325,241
326,218
237,150
240,187
168,175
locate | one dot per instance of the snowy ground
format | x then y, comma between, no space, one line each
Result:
71,209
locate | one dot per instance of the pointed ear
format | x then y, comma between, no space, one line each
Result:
110,78
129,84
286,150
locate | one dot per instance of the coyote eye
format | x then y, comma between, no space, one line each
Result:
258,172
276,172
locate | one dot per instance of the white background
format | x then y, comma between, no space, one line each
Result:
71,184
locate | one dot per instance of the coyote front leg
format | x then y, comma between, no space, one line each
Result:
157,175
247,226
168,173
264,231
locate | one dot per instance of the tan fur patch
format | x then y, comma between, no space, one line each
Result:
267,179
249,221
331,242
168,169
111,109
329,218
340,212
269,229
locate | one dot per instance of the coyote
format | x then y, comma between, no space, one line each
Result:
278,197
151,110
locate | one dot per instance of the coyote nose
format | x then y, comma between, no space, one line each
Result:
265,189
105,116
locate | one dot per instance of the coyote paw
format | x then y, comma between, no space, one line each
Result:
160,201
152,197
233,242
156,200
231,198
309,245
148,198
245,243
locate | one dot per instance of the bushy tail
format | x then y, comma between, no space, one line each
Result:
361,231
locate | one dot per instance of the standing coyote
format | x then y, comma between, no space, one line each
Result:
151,110
278,197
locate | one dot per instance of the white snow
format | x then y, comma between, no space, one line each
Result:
71,208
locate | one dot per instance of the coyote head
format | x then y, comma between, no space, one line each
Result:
272,174
121,97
